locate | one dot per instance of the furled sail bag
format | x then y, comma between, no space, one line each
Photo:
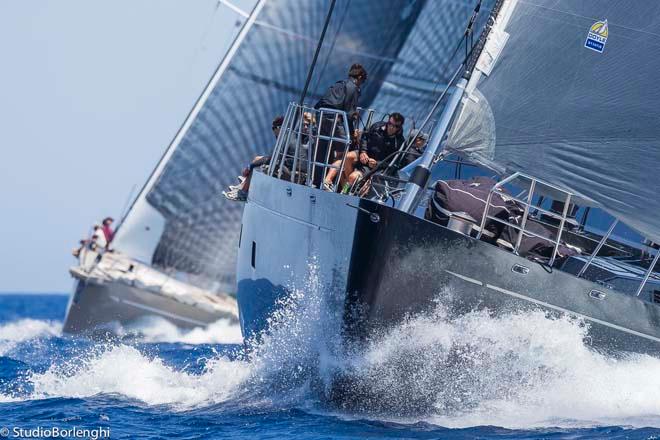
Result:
469,197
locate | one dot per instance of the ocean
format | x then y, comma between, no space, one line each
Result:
523,377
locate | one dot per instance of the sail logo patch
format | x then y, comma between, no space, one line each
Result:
597,36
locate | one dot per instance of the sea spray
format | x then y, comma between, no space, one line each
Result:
277,369
521,369
524,370
298,349
125,371
16,332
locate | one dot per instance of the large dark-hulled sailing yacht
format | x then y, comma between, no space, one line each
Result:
558,100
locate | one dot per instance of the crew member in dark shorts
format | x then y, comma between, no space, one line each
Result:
380,141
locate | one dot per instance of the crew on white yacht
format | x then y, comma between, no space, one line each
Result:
99,237
108,232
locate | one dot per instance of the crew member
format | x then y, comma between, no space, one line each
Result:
378,143
342,95
239,192
107,230
416,149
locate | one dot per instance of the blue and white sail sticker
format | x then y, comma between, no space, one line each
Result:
597,36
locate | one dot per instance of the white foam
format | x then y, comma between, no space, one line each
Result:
125,371
16,332
275,370
156,329
522,370
518,371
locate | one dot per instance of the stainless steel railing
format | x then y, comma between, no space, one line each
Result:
310,142
527,204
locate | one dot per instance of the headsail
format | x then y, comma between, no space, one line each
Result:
181,222
566,91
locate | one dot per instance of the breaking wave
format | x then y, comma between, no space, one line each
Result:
156,329
14,333
517,371
125,371
521,370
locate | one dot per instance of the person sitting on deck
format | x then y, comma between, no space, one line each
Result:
379,143
95,242
239,192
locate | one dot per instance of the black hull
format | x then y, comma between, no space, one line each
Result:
393,265
413,263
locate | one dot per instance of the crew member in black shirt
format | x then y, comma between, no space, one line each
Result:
342,95
380,141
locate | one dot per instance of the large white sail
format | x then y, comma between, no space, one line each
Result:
566,91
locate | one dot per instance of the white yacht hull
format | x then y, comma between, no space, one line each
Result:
104,307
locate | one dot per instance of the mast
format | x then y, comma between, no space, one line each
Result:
420,175
192,115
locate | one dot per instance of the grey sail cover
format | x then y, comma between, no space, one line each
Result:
567,91
181,223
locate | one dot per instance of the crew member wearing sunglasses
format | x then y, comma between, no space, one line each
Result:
381,140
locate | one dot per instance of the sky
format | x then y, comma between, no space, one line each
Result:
91,94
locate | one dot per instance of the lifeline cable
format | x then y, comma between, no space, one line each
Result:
316,53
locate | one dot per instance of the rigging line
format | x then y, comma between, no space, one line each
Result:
234,8
316,53
466,32
202,40
332,47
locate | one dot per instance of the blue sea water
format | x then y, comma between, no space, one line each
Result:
522,377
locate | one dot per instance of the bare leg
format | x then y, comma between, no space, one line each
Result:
349,166
349,163
332,173
354,176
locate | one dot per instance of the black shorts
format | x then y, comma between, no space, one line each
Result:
359,166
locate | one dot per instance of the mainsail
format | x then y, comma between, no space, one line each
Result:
180,222
566,91
429,57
